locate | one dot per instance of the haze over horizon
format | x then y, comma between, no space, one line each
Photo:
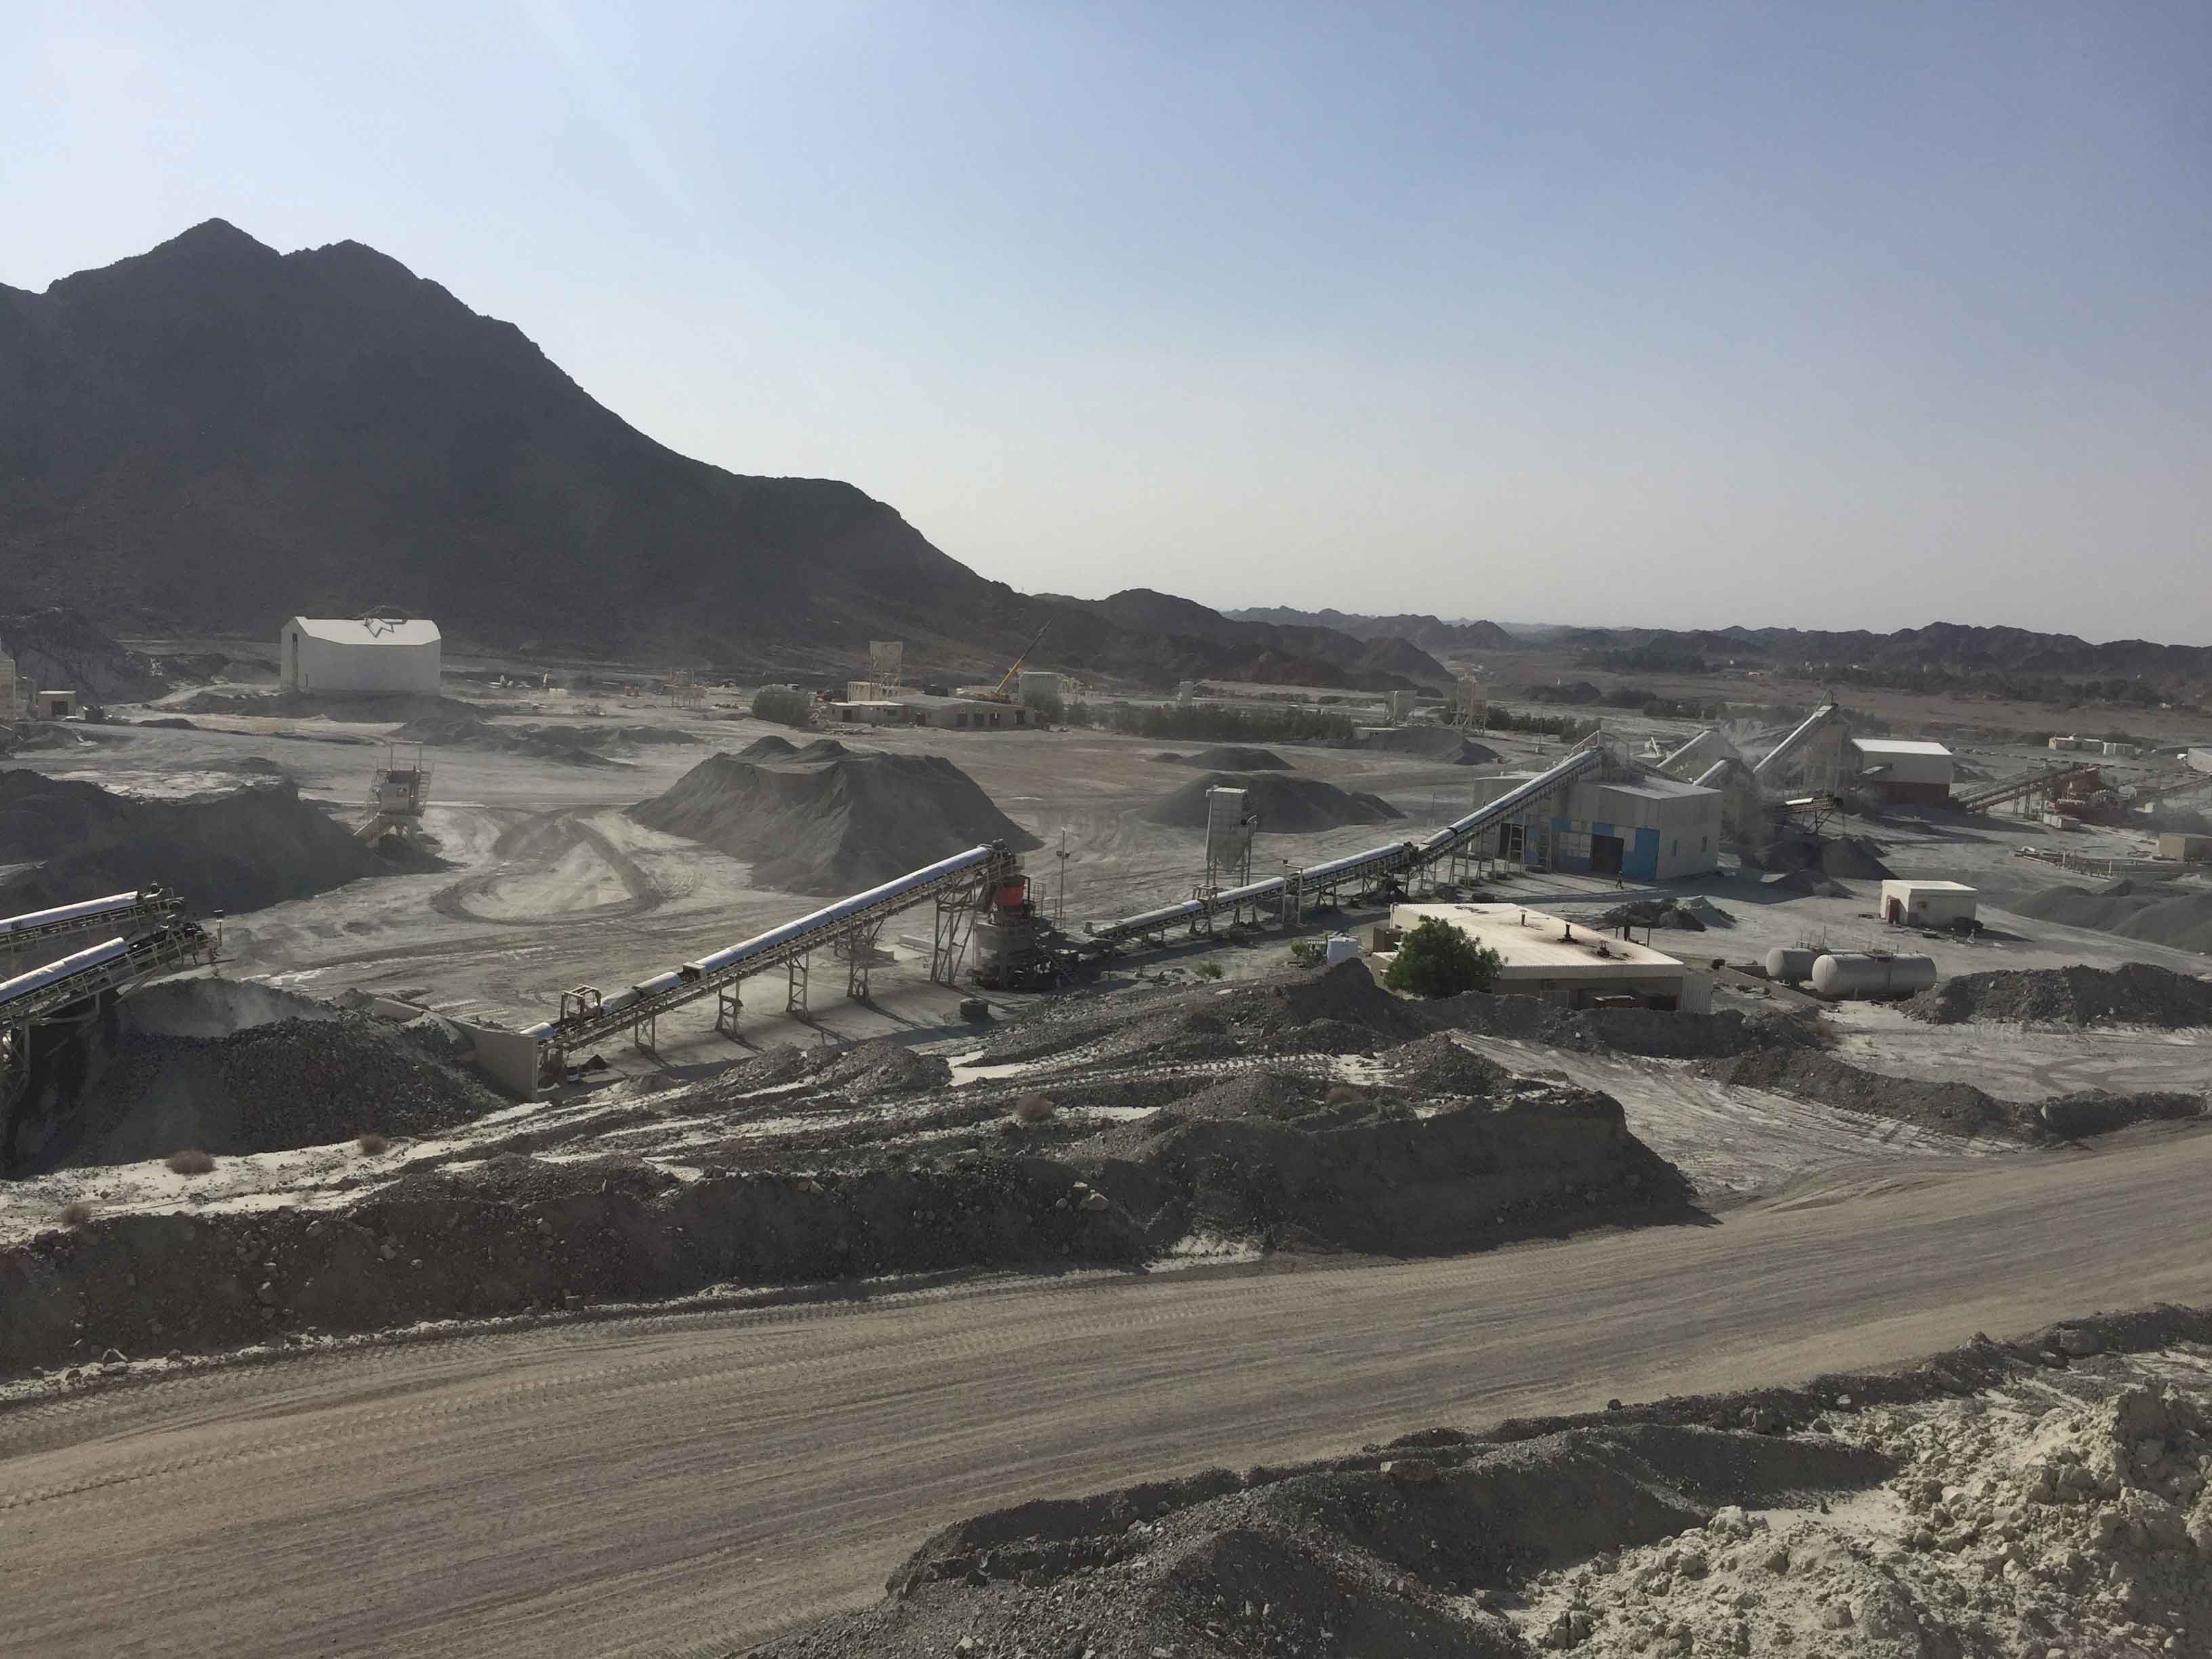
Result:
1592,316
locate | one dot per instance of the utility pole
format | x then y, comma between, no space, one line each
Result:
1060,897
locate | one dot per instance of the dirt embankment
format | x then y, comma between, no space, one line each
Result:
2134,993
576,745
816,822
520,1234
2000,1501
254,846
1286,805
228,1068
1953,1108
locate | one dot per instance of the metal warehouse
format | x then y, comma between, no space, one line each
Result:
376,653
1895,769
1650,828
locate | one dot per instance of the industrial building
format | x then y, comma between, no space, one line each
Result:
12,709
1901,771
1566,962
1928,904
378,652
2188,849
1650,828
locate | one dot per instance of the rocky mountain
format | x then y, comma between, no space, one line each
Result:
1299,654
1430,633
213,435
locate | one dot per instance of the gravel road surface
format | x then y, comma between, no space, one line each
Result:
689,1485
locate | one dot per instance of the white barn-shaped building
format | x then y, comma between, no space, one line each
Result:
377,652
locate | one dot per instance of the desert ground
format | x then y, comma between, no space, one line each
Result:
699,1346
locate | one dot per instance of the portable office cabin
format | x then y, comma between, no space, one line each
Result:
1927,904
372,653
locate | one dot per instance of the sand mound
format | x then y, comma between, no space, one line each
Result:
190,1069
1431,742
576,746
2134,993
241,850
1230,757
2173,914
836,825
1286,806
822,749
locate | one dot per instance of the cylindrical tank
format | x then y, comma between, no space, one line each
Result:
1865,977
1342,947
1791,965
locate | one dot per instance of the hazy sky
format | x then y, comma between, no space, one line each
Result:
1834,315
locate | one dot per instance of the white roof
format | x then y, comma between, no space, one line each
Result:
1535,944
1898,746
1927,887
372,630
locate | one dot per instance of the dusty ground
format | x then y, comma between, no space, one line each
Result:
689,1484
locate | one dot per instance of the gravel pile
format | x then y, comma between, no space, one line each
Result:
1286,805
2134,993
2175,914
265,1089
1230,757
1849,857
238,850
1431,742
1438,1066
1954,1109
823,820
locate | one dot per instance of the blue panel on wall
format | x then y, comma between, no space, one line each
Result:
1642,859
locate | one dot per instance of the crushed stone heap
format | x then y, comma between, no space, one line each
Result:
825,820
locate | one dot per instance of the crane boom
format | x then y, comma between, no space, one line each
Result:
1020,661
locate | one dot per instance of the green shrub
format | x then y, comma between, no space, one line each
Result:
1437,960
783,705
1207,970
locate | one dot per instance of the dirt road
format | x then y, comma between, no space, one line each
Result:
687,1484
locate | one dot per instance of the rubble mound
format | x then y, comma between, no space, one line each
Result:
236,850
1643,1032
1286,805
1431,742
192,1068
1690,915
576,745
1231,757
1436,1064
1856,858
2176,913
832,825
2134,993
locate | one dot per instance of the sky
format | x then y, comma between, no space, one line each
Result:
1677,314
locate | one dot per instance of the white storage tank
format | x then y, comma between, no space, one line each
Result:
1791,964
1863,977
1342,947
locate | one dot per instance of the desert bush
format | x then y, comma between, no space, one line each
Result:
190,1162
1032,1107
1207,969
74,1213
1437,960
373,1143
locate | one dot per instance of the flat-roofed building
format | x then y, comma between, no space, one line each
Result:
1902,770
1567,962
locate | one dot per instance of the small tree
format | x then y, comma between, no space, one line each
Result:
783,705
1437,960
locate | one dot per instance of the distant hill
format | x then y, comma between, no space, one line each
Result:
1430,633
212,436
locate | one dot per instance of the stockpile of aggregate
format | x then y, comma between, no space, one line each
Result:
1431,742
237,850
2134,993
1851,858
2175,914
1230,757
769,747
464,728
1953,1108
815,822
1284,804
235,1069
